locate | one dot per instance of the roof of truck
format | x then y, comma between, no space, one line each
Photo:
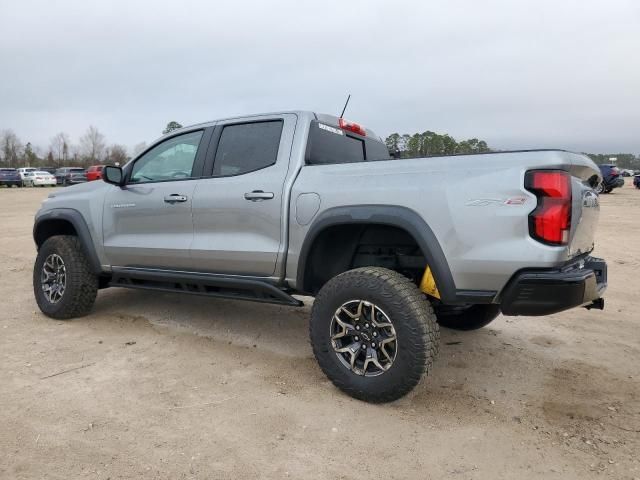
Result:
322,117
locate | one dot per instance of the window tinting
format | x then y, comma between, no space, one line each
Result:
332,145
171,160
327,146
247,147
376,150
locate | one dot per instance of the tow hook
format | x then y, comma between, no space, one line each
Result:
597,303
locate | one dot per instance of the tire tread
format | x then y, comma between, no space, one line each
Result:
82,283
404,296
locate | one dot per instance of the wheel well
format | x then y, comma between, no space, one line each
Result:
49,228
339,248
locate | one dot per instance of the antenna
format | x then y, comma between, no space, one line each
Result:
345,105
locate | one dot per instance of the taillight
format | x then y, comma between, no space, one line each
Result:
550,222
352,127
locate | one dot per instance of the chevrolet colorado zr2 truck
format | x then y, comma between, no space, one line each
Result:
267,206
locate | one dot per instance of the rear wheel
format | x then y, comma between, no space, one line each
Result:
63,283
470,317
373,333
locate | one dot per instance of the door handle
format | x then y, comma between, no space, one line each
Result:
175,198
258,195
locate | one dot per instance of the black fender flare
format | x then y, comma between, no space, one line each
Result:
392,215
75,218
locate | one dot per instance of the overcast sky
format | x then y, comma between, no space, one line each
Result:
519,74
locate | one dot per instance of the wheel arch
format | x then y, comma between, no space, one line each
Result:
388,215
66,221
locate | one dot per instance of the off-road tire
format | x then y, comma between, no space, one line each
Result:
81,284
411,314
472,318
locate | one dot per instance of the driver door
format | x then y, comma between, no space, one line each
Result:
147,222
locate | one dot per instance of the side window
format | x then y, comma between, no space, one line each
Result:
171,160
247,147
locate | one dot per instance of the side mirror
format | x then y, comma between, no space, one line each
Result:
113,175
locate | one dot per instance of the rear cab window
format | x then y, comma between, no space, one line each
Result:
329,144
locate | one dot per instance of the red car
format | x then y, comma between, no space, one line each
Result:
94,172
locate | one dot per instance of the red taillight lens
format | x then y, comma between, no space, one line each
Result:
550,222
352,127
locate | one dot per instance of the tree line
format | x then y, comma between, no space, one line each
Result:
90,149
433,144
430,143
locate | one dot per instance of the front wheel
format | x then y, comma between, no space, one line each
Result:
63,283
373,333
599,188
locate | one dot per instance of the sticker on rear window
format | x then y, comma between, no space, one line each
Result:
328,128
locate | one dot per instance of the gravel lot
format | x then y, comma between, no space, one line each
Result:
167,386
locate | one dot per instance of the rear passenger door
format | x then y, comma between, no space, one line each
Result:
238,210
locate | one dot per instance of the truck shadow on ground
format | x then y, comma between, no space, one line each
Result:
495,365
280,329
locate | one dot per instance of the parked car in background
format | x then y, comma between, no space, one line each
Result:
51,170
40,178
94,172
10,177
636,181
25,178
70,176
611,179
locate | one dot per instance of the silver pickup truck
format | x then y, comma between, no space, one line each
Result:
267,206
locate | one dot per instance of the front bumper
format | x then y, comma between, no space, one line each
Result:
543,292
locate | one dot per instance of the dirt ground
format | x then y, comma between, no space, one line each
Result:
163,386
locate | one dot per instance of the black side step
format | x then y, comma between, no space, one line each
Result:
202,284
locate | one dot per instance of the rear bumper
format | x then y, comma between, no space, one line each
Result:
543,292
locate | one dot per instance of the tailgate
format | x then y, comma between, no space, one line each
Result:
586,205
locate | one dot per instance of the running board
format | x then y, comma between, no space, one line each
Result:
202,284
